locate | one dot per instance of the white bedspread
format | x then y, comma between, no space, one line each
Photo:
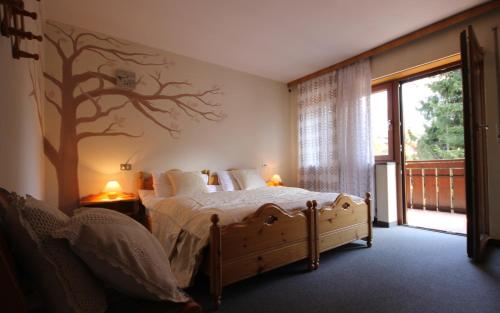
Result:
182,224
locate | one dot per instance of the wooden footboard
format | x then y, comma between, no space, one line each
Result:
272,237
267,239
344,221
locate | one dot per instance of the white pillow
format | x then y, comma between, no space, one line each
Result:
248,179
148,198
187,183
214,188
64,281
144,194
205,178
122,253
227,181
161,184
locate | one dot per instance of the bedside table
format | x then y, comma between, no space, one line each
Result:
271,184
126,203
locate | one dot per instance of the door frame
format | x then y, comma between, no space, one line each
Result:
418,72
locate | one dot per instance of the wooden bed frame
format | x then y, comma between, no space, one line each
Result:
272,237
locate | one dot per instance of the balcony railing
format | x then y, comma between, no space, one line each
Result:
437,185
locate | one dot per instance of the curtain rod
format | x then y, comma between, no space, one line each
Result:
422,32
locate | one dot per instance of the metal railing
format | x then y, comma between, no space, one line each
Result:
437,185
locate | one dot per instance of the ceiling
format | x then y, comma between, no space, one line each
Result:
277,39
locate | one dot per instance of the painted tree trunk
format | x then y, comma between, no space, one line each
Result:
67,168
65,162
67,175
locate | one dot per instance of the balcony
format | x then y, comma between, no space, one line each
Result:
435,194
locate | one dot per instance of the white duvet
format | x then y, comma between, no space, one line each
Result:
182,223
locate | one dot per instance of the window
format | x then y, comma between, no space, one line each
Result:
381,105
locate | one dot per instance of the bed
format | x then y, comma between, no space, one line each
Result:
240,234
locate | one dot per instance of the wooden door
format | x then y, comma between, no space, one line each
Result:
475,130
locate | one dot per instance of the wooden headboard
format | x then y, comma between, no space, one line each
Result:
145,180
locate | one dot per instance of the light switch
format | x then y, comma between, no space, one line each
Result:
126,167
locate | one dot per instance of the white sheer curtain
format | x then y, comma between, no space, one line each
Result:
335,137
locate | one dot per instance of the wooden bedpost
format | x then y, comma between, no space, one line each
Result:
368,200
143,217
311,214
316,234
215,261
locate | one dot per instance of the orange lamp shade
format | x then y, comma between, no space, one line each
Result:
112,189
275,180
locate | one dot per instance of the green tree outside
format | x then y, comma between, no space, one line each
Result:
444,133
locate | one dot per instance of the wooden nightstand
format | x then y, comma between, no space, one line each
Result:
271,184
125,203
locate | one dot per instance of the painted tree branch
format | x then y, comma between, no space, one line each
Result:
108,131
51,152
99,50
171,130
35,93
151,97
109,40
62,31
137,99
57,44
151,107
52,79
54,104
86,76
120,55
192,112
99,112
199,96
163,85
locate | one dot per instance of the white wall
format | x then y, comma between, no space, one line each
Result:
21,156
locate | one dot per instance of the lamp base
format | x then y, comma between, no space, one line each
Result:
112,196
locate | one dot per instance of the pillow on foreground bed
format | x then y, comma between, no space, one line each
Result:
248,179
64,281
187,183
161,184
122,253
227,181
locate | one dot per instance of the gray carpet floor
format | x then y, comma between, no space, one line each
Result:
406,270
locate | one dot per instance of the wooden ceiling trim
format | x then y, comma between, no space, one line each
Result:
449,60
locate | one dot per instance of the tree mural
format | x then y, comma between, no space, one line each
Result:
160,106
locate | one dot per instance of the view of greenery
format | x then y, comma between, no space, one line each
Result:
444,133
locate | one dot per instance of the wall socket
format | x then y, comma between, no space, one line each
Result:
126,167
